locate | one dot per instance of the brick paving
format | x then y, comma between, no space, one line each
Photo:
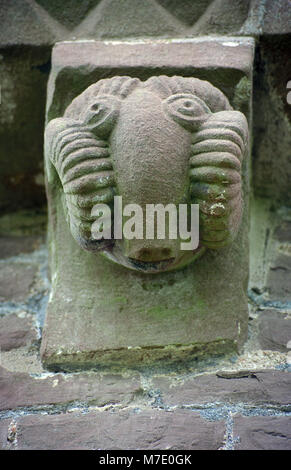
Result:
224,402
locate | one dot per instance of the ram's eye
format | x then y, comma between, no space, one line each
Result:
101,114
188,110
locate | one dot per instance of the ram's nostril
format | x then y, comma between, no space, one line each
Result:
144,254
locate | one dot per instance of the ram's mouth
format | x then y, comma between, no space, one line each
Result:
157,263
115,254
151,266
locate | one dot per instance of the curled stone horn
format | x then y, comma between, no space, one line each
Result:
167,140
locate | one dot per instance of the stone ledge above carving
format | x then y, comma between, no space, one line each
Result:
43,22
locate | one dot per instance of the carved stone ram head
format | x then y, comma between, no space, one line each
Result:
166,140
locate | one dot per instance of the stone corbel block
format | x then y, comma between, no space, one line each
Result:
153,122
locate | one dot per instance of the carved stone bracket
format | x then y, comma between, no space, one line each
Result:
149,138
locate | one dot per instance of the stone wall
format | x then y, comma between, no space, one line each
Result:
223,402
31,27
